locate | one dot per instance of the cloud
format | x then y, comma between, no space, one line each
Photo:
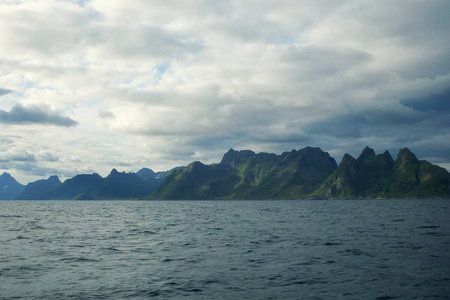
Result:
160,84
347,126
4,91
35,115
22,156
106,115
439,103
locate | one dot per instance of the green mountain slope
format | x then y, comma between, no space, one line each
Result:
247,175
379,176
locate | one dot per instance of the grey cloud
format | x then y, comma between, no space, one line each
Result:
35,115
6,141
4,91
344,126
324,61
439,103
146,41
48,157
18,157
106,115
390,117
35,170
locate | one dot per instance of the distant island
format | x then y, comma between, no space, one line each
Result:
298,174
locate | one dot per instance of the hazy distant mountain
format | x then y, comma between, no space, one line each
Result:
117,185
9,187
379,176
80,186
247,175
123,185
36,190
146,173
152,179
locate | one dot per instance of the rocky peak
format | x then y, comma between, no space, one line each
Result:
54,179
405,157
113,172
146,173
233,157
315,157
367,154
386,161
348,159
6,179
405,153
6,175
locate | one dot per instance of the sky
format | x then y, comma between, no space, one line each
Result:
91,85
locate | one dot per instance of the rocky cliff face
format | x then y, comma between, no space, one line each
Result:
380,176
247,175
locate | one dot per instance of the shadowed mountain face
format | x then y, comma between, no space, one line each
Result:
36,190
117,185
247,175
380,176
9,187
79,187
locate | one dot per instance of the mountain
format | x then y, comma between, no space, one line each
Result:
305,173
122,185
152,179
375,176
247,175
117,185
35,190
197,181
417,178
146,173
9,187
267,175
81,186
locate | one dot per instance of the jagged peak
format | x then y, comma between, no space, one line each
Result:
309,148
387,155
196,164
366,154
406,154
231,157
309,151
54,178
6,174
348,158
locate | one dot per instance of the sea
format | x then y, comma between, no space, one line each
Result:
302,249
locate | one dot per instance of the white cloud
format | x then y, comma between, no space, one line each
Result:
159,84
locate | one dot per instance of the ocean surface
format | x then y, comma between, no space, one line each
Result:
315,249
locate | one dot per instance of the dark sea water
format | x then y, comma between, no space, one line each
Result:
353,249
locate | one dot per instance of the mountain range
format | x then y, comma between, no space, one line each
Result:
305,173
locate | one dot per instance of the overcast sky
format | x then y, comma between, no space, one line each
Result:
91,85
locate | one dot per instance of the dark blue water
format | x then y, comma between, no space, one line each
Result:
225,249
